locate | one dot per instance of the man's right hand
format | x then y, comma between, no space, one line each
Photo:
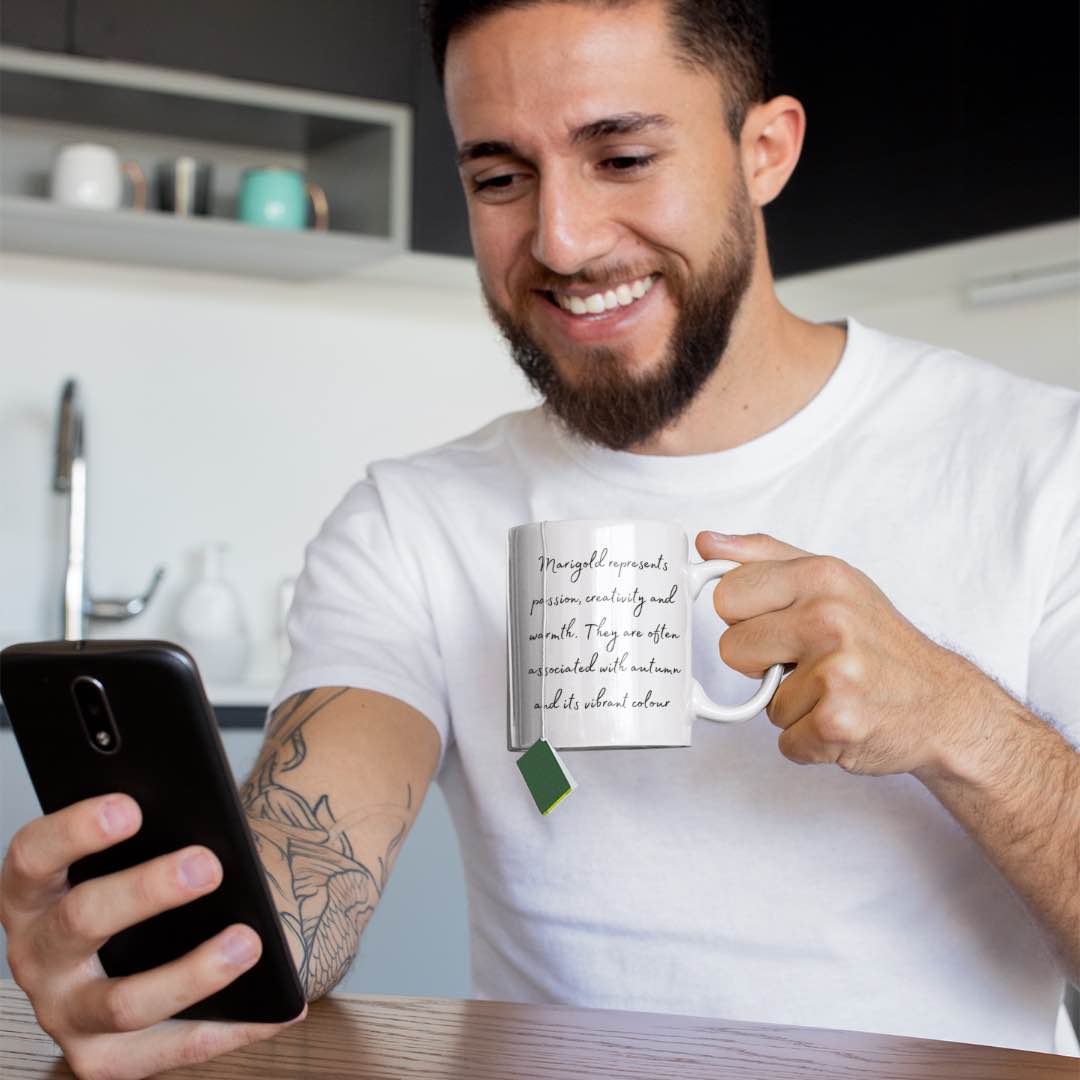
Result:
118,1027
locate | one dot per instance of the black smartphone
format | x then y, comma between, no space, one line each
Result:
93,717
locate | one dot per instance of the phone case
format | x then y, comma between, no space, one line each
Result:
170,759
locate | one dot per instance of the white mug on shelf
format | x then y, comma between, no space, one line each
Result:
91,176
598,636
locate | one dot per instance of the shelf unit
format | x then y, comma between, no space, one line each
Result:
358,150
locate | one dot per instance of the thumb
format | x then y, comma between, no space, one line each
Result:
745,547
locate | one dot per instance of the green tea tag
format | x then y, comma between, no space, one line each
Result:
547,778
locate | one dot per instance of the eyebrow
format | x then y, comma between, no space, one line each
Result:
630,123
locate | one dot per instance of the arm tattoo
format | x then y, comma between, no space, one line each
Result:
324,892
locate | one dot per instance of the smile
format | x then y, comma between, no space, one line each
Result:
622,295
602,320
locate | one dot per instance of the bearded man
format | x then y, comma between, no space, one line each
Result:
892,846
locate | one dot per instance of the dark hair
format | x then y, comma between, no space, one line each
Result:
730,37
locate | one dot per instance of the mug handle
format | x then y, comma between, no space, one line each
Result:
138,184
318,201
700,702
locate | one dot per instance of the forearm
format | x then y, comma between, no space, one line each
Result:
1015,788
323,960
326,873
324,894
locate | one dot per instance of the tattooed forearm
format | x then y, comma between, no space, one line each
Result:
326,881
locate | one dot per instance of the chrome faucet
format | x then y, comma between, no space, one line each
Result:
70,479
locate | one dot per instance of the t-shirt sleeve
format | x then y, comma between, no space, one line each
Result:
1054,662
358,618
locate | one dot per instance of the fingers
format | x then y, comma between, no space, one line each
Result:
167,1046
90,913
752,646
755,588
794,698
37,861
140,1001
802,743
116,1027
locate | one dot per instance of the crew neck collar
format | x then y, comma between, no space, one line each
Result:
750,462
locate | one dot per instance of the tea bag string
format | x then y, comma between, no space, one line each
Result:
543,627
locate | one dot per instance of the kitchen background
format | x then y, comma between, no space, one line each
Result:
234,388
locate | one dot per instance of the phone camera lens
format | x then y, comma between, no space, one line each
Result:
97,719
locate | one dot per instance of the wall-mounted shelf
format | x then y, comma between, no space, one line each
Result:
42,227
359,151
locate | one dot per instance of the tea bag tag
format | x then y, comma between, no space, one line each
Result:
546,776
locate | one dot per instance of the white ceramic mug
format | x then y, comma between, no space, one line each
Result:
598,636
91,176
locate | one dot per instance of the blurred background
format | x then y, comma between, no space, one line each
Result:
237,230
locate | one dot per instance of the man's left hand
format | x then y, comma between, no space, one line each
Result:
869,692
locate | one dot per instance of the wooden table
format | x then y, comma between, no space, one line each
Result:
370,1037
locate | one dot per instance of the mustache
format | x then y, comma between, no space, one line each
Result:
601,279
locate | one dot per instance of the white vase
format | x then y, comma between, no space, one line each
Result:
211,624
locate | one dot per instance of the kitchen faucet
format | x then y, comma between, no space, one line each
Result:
70,479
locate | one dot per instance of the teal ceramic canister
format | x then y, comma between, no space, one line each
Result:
276,198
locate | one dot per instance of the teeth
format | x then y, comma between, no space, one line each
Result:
621,296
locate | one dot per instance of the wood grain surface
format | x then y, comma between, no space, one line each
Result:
370,1037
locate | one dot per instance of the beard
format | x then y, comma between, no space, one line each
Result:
608,404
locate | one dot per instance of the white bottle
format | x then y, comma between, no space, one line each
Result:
211,623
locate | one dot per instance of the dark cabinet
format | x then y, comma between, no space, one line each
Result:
440,222
356,47
929,127
35,24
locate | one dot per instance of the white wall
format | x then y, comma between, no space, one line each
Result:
241,410
216,408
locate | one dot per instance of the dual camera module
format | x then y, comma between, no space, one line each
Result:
97,718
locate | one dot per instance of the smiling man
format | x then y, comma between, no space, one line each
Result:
925,877
904,856
605,162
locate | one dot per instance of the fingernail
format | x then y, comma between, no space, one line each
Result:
722,538
198,870
240,947
115,816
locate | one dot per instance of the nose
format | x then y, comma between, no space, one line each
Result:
572,227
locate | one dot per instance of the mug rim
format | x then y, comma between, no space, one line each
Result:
599,522
85,144
271,168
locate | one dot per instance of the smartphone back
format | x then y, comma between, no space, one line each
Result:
156,739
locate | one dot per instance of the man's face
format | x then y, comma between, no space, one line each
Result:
599,170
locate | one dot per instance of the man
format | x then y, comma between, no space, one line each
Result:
922,876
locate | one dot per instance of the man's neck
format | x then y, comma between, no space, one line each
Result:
775,363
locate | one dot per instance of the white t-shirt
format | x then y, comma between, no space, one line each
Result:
723,879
